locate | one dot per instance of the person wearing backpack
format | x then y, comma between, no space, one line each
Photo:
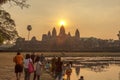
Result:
68,71
27,61
18,59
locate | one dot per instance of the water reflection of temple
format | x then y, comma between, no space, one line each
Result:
96,67
77,70
99,68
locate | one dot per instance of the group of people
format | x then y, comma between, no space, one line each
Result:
23,63
55,67
59,69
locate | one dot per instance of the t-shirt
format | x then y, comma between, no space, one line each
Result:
47,65
38,68
36,65
18,59
26,62
68,70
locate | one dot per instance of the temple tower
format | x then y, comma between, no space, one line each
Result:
77,34
62,31
49,33
54,33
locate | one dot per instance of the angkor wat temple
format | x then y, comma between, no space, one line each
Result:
65,42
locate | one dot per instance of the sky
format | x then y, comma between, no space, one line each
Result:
93,18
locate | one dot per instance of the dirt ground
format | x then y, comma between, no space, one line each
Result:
7,68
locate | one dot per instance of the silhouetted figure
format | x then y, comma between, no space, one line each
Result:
58,70
42,58
33,57
71,63
53,65
77,70
37,58
18,59
81,78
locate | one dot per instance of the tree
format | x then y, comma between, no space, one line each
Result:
1,38
21,3
7,26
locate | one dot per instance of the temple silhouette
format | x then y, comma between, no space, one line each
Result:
62,40
65,42
50,42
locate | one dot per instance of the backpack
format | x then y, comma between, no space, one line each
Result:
69,71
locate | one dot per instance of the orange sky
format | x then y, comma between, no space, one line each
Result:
93,18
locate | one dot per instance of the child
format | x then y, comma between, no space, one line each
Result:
68,71
81,78
47,66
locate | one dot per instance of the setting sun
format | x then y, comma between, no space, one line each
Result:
62,23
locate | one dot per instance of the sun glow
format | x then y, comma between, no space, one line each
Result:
62,23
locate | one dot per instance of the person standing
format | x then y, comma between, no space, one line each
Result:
18,59
42,60
33,57
53,65
81,78
37,68
48,66
68,71
26,64
59,70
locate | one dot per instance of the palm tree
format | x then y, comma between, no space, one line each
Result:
29,28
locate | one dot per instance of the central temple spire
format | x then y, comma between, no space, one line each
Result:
62,31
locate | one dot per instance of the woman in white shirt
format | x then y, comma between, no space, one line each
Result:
37,68
26,63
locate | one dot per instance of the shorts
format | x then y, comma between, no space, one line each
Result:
18,68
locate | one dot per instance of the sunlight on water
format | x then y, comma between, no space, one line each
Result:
110,73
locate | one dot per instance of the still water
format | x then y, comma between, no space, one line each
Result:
112,72
95,68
